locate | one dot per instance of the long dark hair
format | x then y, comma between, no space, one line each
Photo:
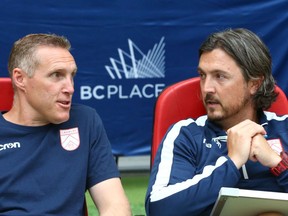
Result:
251,55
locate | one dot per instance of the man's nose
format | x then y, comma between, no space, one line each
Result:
207,86
69,86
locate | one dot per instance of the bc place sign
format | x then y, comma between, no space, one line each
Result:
131,65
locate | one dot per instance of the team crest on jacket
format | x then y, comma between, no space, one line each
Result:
276,145
70,139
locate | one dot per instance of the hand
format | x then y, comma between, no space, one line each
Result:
262,152
239,140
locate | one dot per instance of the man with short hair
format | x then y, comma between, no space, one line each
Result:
62,148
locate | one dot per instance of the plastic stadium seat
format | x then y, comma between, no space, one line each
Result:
6,94
6,100
182,100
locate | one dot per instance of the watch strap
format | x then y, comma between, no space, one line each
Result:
282,166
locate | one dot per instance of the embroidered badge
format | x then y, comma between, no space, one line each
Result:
70,139
276,145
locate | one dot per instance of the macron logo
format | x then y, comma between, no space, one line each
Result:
13,145
136,65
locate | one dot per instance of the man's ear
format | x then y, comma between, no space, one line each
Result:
255,84
19,78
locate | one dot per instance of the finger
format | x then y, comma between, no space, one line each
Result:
252,155
247,128
253,158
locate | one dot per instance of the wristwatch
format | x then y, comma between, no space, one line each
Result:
282,166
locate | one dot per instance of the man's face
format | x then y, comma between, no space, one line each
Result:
49,91
226,95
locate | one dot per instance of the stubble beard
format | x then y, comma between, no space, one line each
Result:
225,113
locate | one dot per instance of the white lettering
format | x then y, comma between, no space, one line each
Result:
121,96
144,91
159,88
9,146
85,92
135,91
111,90
121,92
95,92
